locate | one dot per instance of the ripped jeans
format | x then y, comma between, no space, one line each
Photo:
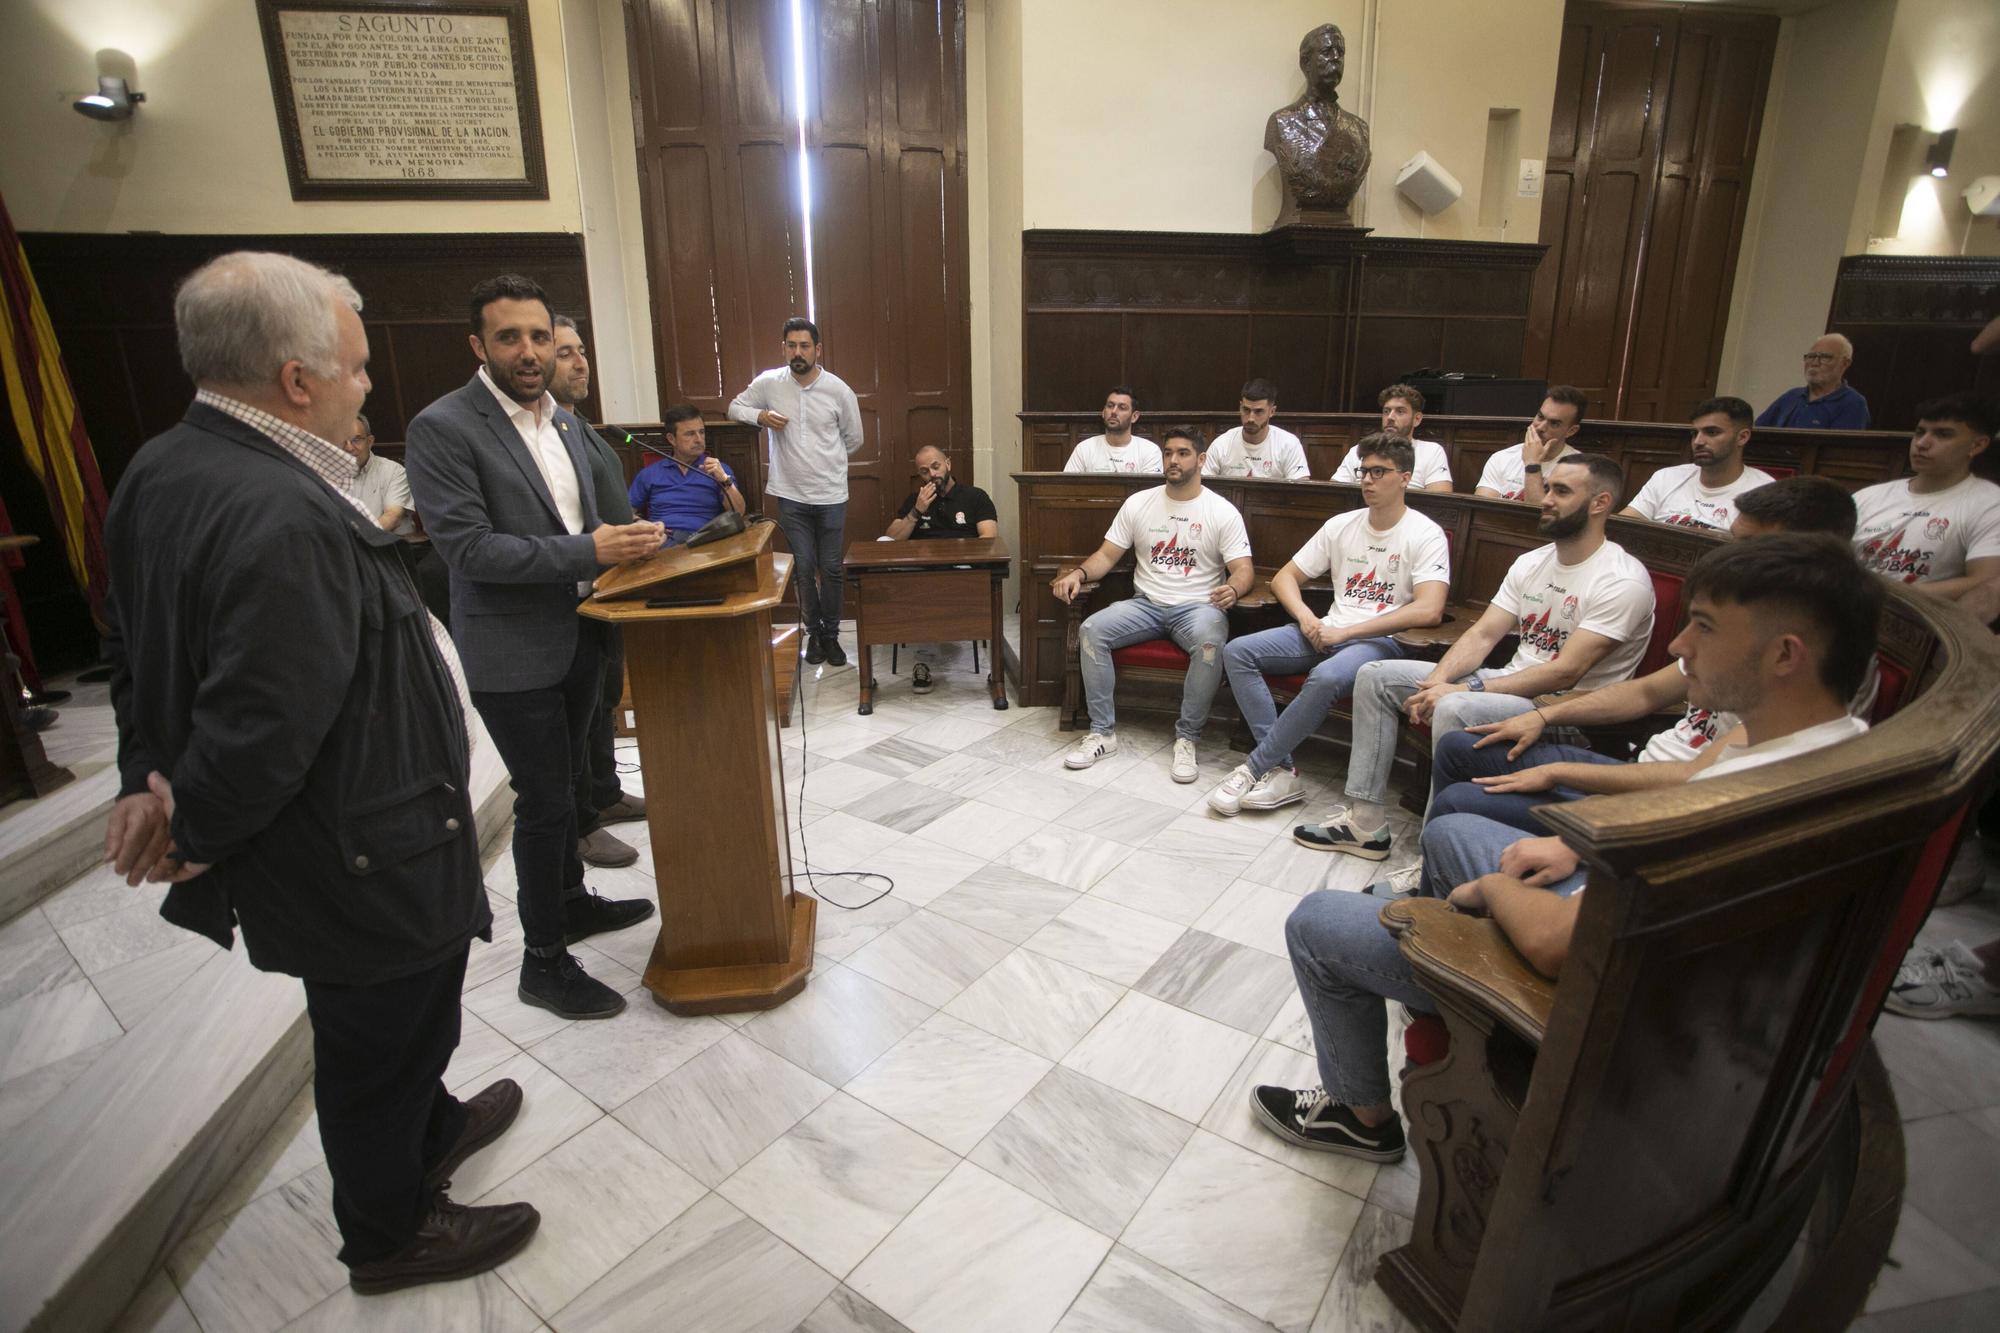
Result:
1197,627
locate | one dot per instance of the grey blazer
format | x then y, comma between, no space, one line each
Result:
514,566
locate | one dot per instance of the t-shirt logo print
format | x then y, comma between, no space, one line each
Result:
1936,527
1170,557
1536,634
1569,608
1887,555
1369,590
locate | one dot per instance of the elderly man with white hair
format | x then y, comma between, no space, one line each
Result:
1825,401
294,751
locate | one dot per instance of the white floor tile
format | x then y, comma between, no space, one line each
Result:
1102,938
482,1305
978,829
838,1025
1036,1002
1173,1059
949,1081
552,1112
1131,1294
613,1060
1158,885
929,957
723,1107
1251,914
1066,856
1002,901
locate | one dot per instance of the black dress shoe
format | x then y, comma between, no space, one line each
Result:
487,1117
592,915
815,652
835,654
452,1242
561,986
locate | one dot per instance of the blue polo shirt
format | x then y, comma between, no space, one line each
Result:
1843,409
679,498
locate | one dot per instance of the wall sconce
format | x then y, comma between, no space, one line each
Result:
112,100
1938,159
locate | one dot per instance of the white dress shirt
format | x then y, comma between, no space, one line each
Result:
537,428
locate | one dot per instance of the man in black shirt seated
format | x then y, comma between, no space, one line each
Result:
939,507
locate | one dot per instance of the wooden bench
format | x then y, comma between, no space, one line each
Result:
1639,1144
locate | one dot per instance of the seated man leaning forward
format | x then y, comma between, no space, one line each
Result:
940,507
1516,472
1503,770
1390,568
1779,631
1584,610
1192,563
685,491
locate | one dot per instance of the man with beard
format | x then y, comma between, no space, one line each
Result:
1257,448
600,797
1192,563
1515,473
940,507
1117,449
1402,412
815,425
1702,494
1584,610
502,479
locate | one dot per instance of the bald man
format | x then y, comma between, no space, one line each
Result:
1825,401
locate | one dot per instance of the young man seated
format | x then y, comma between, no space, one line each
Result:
1503,770
1390,567
1584,610
1117,449
939,508
1257,448
1938,528
1402,412
1702,494
1779,632
1193,564
1517,472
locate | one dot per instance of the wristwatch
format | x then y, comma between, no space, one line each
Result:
1532,467
1476,685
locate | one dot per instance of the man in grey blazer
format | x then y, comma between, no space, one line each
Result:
500,475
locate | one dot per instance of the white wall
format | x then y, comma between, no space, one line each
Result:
1942,72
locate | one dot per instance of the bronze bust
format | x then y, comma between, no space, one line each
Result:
1322,148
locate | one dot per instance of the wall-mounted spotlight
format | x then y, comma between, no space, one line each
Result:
1938,160
112,100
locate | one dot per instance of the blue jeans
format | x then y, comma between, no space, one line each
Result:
815,534
1286,651
1198,628
1380,690
1454,763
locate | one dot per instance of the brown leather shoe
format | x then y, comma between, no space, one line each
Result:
487,1117
452,1242
599,848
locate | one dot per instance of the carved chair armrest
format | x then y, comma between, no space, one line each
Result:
1453,951
1432,641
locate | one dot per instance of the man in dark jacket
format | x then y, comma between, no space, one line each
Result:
499,473
293,749
600,798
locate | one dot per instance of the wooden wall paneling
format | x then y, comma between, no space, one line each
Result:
1170,358
1561,193
1294,352
1911,319
1071,357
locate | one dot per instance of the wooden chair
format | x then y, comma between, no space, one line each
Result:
1639,1144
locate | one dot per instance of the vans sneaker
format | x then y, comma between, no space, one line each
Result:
1309,1118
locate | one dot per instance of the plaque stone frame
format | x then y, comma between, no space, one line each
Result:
532,182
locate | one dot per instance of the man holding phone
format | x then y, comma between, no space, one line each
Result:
939,507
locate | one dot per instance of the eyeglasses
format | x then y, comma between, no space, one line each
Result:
1377,473
359,439
1821,356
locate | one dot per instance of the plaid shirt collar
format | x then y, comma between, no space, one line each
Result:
329,462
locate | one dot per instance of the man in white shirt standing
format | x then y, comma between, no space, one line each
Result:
1402,412
1257,448
1117,449
1702,494
1779,632
1192,564
1584,610
1939,528
1390,568
1515,473
815,425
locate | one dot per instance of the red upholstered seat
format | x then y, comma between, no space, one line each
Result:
1285,684
1666,621
1777,471
1426,1039
1895,682
1156,654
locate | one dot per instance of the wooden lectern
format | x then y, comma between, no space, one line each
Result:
733,934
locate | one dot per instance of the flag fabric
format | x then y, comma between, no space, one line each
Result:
46,418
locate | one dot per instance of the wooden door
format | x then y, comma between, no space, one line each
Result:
1651,144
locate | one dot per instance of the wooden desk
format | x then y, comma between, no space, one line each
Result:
940,590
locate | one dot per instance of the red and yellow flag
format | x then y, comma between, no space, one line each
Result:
46,417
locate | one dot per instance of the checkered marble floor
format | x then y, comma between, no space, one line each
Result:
1012,1098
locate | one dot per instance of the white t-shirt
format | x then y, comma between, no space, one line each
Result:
1180,546
1374,571
1736,758
1922,538
1675,495
1507,472
1608,594
1433,464
1094,455
1698,728
1279,454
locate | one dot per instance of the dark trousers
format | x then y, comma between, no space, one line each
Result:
385,1119
597,784
816,534
543,736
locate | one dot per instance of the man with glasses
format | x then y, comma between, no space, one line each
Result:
380,483
1825,401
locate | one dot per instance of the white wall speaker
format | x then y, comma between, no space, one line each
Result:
1427,185
1983,197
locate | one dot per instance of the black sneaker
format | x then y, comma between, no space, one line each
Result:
591,915
815,653
835,654
1337,835
561,986
1309,1118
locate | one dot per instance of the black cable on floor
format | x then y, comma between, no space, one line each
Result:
805,856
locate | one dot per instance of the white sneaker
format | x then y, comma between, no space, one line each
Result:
1090,749
1227,799
1185,768
1939,983
1400,884
1279,787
